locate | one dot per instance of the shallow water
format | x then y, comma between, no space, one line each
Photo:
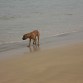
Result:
9,50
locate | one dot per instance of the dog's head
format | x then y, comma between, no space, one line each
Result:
25,36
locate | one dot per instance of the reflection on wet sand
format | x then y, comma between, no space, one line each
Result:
34,48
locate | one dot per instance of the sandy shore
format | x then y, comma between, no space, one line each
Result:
60,65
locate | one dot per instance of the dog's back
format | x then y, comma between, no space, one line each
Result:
35,32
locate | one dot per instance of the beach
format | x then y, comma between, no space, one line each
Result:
62,65
58,58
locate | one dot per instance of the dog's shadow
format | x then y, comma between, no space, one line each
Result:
34,48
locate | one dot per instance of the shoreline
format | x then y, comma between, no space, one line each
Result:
48,43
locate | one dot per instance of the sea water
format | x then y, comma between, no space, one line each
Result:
50,17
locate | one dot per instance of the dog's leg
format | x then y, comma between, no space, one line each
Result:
34,41
29,42
38,39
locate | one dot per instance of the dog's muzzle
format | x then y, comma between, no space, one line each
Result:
23,38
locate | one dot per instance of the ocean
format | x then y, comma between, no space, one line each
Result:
50,17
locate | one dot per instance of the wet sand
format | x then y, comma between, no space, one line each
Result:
62,64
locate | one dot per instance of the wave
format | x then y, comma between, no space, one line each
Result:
61,34
11,46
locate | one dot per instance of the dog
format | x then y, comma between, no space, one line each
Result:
34,35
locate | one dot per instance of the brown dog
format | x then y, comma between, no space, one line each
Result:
32,35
